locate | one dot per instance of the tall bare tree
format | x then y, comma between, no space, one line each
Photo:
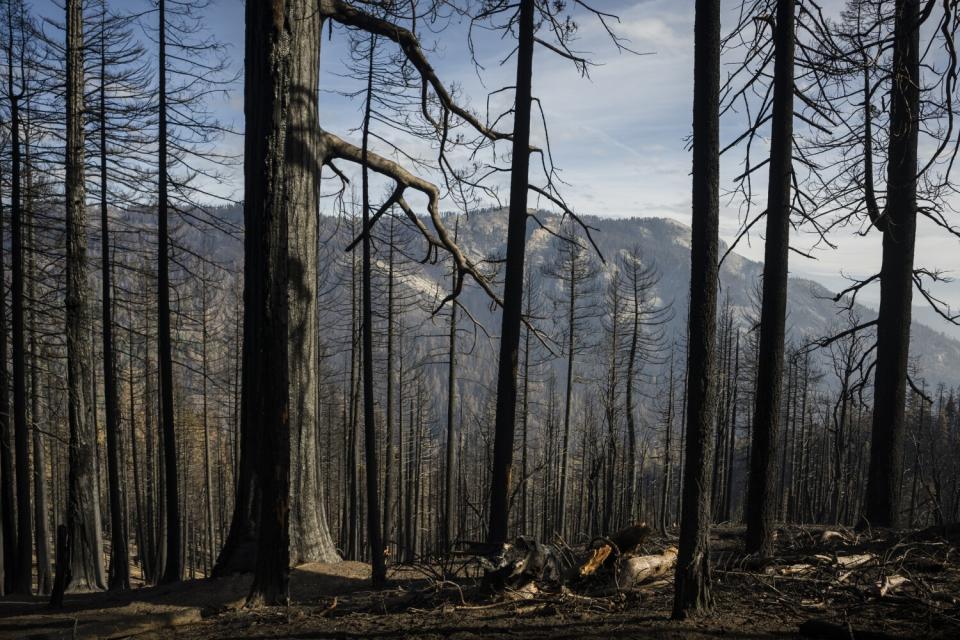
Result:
692,584
374,531
899,227
266,105
766,422
513,283
83,523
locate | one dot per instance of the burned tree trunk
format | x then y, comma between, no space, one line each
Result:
171,570
119,578
310,539
525,489
374,532
762,499
208,558
22,568
8,534
238,554
144,552
266,104
899,226
513,286
449,496
389,477
692,585
83,525
629,383
732,441
40,504
568,400
663,520
62,578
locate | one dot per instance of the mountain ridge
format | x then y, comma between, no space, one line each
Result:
811,311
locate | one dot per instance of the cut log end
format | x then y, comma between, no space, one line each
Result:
635,570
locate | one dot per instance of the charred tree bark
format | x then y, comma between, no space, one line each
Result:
450,487
266,107
174,552
83,528
22,569
310,539
389,476
567,399
40,504
62,578
352,512
153,510
762,498
732,441
143,552
374,531
513,285
8,531
409,532
208,559
882,504
610,413
630,377
692,584
119,578
238,553
664,520
525,420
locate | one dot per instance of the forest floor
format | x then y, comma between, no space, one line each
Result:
879,585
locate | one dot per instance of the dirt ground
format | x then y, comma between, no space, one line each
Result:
883,585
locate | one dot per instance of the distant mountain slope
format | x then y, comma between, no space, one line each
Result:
811,310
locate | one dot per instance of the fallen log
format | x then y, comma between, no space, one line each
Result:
856,561
596,559
637,569
524,561
604,550
527,566
796,569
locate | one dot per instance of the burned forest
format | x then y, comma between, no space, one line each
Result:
479,319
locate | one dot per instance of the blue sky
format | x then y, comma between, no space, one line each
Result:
618,136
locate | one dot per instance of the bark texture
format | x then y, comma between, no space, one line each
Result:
23,542
119,555
513,286
83,521
763,498
882,504
310,539
374,532
692,583
266,103
174,561
8,534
